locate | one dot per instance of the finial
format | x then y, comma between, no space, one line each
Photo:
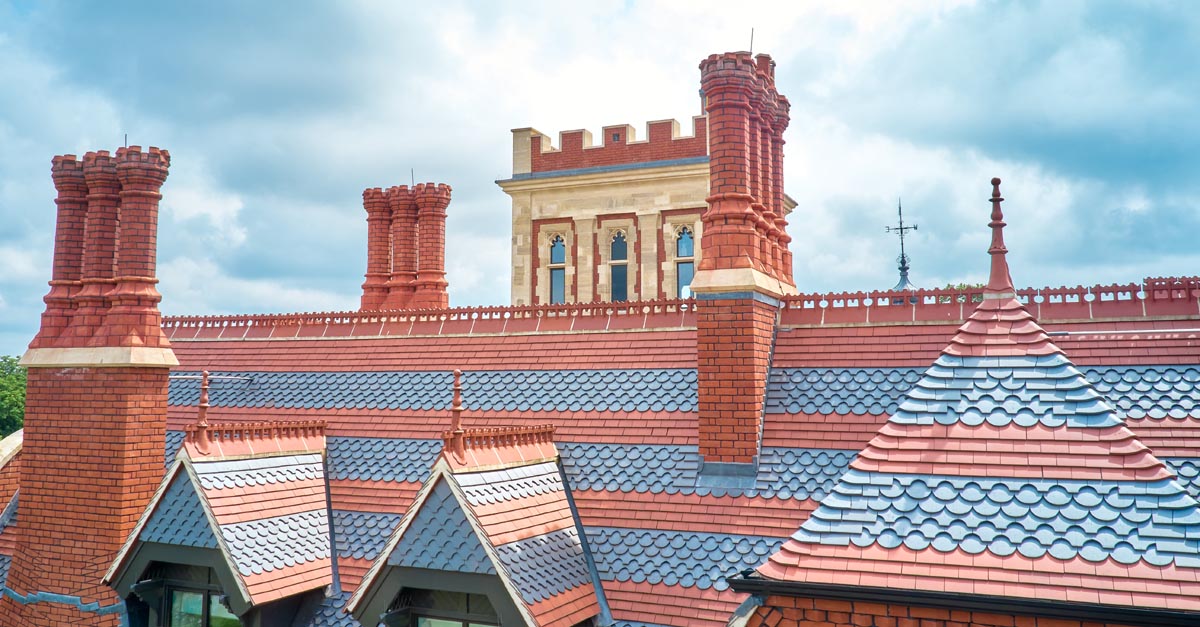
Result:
901,230
456,430
1000,282
202,442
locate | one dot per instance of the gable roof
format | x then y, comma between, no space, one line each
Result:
264,513
495,504
1004,472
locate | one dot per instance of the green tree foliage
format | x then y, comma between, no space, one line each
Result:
12,395
962,287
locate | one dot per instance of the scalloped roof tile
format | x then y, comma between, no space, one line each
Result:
179,518
1003,450
441,538
676,558
671,390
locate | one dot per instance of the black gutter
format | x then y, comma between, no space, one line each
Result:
1092,612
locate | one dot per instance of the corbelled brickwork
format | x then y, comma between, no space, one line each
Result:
733,353
779,611
406,247
96,401
745,226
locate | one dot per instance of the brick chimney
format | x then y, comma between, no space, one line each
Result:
432,201
96,403
404,247
743,271
379,248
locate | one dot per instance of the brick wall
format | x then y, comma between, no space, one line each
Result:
733,353
576,149
91,459
781,611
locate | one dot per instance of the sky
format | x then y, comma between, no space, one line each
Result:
279,114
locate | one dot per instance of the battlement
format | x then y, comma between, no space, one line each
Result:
154,161
432,194
65,168
533,152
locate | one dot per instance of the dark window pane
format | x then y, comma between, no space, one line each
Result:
684,245
558,285
620,292
558,251
218,616
684,270
187,609
620,250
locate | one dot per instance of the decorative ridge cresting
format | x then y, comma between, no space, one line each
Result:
600,316
246,438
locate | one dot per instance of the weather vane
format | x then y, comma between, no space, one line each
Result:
901,230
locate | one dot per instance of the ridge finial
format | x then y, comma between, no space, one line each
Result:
1000,281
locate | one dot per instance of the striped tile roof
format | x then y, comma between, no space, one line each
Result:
1002,464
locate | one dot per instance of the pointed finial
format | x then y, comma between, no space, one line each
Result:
456,431
1000,282
202,442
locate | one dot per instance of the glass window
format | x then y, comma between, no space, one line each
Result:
558,285
684,271
620,287
558,251
620,249
684,246
439,608
191,608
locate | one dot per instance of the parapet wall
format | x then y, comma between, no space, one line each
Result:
618,146
1154,298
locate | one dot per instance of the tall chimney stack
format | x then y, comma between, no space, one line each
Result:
379,248
741,276
96,402
404,247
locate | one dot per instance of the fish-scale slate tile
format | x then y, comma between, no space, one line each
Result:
1188,471
179,518
328,611
1155,392
501,390
800,473
269,544
1096,520
362,535
630,468
381,459
5,562
1022,390
546,565
874,391
676,558
789,473
497,486
174,443
440,538
258,471
581,390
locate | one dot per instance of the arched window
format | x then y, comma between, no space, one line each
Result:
558,270
618,267
685,262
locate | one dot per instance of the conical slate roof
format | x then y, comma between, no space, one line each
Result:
1004,472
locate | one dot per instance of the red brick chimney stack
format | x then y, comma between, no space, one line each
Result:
67,172
743,271
133,318
404,247
100,245
432,201
379,248
96,401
